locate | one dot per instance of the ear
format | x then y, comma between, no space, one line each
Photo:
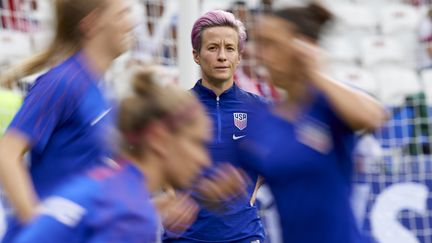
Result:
158,138
196,57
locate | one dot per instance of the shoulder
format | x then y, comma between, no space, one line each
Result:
320,101
79,188
64,79
91,186
247,96
113,179
324,111
251,98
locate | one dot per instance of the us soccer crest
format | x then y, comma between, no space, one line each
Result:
240,120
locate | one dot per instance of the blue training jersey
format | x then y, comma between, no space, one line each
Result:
104,205
65,118
230,114
307,165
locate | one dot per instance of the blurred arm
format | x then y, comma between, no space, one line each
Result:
177,210
14,176
59,219
258,184
357,109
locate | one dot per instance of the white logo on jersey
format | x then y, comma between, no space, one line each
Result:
98,118
238,137
63,210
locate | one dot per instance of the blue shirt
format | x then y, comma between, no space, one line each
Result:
307,165
65,118
104,205
230,113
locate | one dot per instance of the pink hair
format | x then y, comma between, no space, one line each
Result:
217,18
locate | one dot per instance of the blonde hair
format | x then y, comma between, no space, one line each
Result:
67,39
151,102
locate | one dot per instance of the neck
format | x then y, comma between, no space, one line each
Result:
149,166
99,59
216,86
297,96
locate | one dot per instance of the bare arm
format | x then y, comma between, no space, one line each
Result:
258,184
14,177
357,109
177,210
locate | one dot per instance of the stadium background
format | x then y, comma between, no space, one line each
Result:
379,46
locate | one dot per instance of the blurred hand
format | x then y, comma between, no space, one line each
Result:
224,185
287,56
310,56
177,211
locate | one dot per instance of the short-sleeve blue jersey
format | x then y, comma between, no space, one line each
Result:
230,114
64,117
307,164
104,205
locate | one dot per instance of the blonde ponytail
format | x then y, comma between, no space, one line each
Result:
67,40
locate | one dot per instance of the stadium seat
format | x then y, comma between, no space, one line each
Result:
395,83
341,49
358,78
354,20
14,45
377,50
41,39
396,18
210,5
376,5
401,22
289,3
44,11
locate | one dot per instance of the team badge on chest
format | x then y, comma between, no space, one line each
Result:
240,120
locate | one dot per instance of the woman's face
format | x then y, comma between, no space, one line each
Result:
275,49
116,25
219,55
189,153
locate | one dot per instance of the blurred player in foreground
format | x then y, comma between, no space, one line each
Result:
164,132
303,146
63,119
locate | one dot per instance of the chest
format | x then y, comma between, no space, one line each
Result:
302,149
92,118
230,120
125,216
93,110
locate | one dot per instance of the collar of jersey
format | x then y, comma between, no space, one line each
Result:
205,92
